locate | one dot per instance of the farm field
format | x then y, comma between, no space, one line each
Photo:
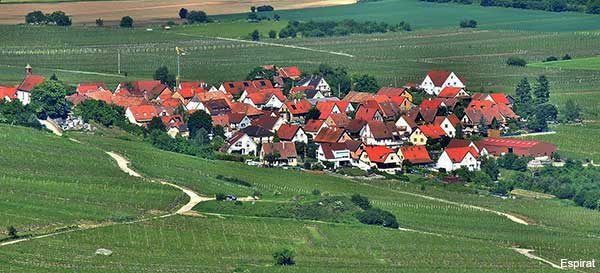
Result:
575,141
144,12
50,182
592,63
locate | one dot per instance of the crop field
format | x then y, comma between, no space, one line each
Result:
48,182
236,244
592,63
575,141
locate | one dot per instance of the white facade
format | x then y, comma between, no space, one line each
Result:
401,123
24,97
469,161
367,137
340,156
448,128
432,89
245,146
300,136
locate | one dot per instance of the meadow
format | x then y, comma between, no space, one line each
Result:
592,63
49,182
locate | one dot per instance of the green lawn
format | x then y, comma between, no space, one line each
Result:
49,182
575,141
592,63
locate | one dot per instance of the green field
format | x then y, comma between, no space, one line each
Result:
575,141
48,182
592,63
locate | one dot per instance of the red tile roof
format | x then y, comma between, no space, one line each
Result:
358,97
128,101
330,135
102,95
236,88
247,109
235,117
391,91
340,120
380,130
83,88
512,142
299,107
415,154
144,113
432,131
329,148
262,84
189,92
431,103
172,102
30,82
262,96
221,120
313,125
459,153
366,113
438,77
287,131
378,154
289,72
500,98
449,92
286,150
326,107
8,92
266,121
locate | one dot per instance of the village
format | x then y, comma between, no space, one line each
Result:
449,129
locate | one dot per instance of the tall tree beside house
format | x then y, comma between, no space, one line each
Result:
459,132
48,100
199,120
365,83
272,157
183,12
276,137
482,127
490,167
524,99
162,74
541,90
301,149
126,21
538,123
337,78
313,113
156,124
219,131
572,111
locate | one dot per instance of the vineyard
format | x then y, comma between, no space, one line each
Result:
592,63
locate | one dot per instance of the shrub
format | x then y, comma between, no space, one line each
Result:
284,257
126,21
316,192
468,24
100,22
361,201
12,232
272,34
220,196
234,180
379,217
255,35
183,12
550,59
36,17
516,61
566,57
196,16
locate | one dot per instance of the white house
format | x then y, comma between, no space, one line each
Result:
436,80
318,83
293,133
26,86
378,133
240,143
446,125
336,153
455,158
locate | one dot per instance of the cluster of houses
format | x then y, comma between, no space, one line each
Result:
383,130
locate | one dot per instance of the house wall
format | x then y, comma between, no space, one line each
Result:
418,138
24,97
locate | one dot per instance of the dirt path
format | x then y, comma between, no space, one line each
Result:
527,253
270,44
50,125
536,134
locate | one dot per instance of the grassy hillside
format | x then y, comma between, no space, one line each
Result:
50,182
592,63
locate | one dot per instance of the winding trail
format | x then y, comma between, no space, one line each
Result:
269,44
527,253
52,126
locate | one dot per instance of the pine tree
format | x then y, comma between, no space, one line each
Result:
541,90
482,127
523,92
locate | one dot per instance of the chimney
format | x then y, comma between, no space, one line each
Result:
28,70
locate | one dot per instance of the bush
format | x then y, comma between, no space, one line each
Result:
379,217
220,196
361,201
566,57
284,257
516,61
316,192
234,180
255,35
272,34
550,59
58,17
468,24
196,16
100,22
126,21
12,232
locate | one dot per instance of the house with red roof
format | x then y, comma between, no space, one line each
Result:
126,102
382,158
453,93
340,120
332,135
436,80
314,126
236,88
83,88
8,93
337,154
380,133
487,111
333,106
317,82
498,98
290,72
406,123
264,98
432,131
175,126
415,155
395,92
453,159
357,98
286,150
308,92
248,110
238,120
269,122
142,114
293,133
240,143
295,110
448,124
148,89
26,86
520,147
368,113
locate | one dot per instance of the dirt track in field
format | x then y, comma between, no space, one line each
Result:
147,11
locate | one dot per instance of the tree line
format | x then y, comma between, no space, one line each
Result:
339,28
58,18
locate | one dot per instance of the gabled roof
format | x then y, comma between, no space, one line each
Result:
189,92
256,131
102,95
353,145
144,113
355,125
128,101
340,120
438,77
221,120
299,107
451,118
262,84
410,120
450,92
416,154
249,110
312,80
313,125
30,82
432,131
235,118
236,88
366,113
431,103
459,153
380,130
509,142
8,92
266,121
289,72
175,121
378,154
145,87
386,108
172,102
329,135
500,98
286,150
287,131
391,91
83,88
232,140
326,107
262,96
358,97
330,148
217,107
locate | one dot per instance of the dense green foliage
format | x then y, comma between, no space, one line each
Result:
468,23
549,5
58,18
196,16
516,61
379,217
284,257
15,113
162,74
341,28
109,115
48,99
126,22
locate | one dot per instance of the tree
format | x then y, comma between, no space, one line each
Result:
199,120
566,57
490,167
100,22
276,17
272,34
162,74
12,232
48,99
482,126
459,131
219,131
101,112
593,7
260,73
365,83
557,5
253,9
272,157
255,35
301,149
284,257
53,77
516,61
537,123
60,18
338,78
547,111
156,124
126,21
197,16
523,100
541,90
36,17
313,113
468,24
375,216
572,111
361,201
15,113
183,12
